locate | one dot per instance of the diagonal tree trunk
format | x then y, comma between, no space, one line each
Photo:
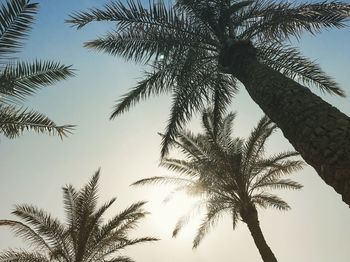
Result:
319,131
250,217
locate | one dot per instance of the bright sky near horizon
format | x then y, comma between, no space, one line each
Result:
34,167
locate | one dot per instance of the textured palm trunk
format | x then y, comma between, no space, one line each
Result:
252,221
319,131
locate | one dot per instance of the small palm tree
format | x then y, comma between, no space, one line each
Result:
193,43
230,175
21,79
84,237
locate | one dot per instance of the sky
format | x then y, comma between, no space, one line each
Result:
34,167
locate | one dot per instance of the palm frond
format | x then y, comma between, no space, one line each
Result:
22,79
49,228
158,81
28,234
191,146
186,100
182,167
281,20
290,62
278,184
120,259
163,180
254,146
22,256
16,17
13,122
70,196
131,214
265,200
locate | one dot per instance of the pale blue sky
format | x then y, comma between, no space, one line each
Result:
34,168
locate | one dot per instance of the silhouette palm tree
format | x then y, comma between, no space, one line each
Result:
230,175
21,79
194,42
84,237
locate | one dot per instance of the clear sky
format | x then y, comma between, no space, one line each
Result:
34,167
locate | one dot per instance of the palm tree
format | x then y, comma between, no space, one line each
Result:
230,175
191,46
19,80
83,237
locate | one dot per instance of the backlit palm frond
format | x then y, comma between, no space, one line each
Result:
159,81
131,214
270,161
223,93
281,20
44,225
254,145
86,205
114,247
186,101
272,173
290,62
120,259
207,12
22,256
126,14
87,197
19,80
112,237
17,16
163,180
189,169
13,122
158,20
265,200
193,147
277,184
27,234
70,196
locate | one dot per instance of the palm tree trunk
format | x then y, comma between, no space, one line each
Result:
252,221
319,131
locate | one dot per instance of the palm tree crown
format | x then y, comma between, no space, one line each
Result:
19,80
184,44
232,175
84,237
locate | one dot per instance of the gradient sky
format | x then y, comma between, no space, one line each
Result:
34,167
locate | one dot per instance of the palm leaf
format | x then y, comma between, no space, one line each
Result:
278,21
13,122
17,81
16,17
22,256
267,200
290,62
28,234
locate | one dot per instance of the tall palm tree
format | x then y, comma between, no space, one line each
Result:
230,175
19,80
192,44
83,237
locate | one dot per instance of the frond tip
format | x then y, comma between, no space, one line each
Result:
13,122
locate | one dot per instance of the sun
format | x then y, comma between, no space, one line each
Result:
167,209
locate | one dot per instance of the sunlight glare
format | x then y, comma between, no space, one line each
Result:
167,209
